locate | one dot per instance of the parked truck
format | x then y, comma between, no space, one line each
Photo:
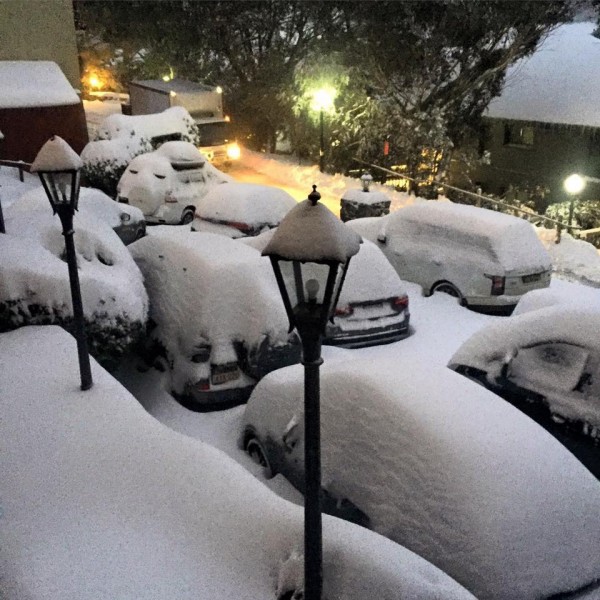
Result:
203,102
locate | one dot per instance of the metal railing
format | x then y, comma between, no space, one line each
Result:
17,164
480,199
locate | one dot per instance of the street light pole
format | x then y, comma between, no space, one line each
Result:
65,215
574,185
58,166
310,253
322,144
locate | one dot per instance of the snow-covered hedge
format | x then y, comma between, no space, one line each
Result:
34,281
121,138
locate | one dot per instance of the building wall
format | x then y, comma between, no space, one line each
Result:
556,152
40,30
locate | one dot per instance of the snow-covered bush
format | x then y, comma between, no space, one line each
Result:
120,138
586,214
104,161
34,281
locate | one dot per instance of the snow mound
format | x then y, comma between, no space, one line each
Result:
446,468
109,503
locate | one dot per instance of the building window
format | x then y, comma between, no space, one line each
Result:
518,135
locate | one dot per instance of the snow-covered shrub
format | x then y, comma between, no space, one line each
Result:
120,138
586,214
34,281
104,161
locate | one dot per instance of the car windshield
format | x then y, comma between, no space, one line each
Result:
214,134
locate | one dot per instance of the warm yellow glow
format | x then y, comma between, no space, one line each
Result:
322,99
166,78
172,94
219,89
227,119
94,81
234,152
574,184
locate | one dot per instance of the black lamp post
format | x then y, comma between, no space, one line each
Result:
58,167
310,253
2,228
322,101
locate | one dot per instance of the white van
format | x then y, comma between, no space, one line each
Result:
482,257
167,184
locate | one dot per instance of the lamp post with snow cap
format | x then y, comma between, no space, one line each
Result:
310,253
58,167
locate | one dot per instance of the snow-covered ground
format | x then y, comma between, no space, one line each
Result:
141,509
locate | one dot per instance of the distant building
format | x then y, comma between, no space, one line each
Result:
37,102
39,76
40,30
546,123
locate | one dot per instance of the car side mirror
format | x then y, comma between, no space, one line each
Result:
382,238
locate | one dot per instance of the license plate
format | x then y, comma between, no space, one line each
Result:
530,278
224,373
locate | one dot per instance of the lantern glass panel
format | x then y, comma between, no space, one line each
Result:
63,186
306,281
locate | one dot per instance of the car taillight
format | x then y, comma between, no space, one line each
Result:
170,198
399,303
343,311
203,385
497,285
243,227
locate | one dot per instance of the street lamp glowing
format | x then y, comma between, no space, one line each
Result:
322,99
94,81
574,184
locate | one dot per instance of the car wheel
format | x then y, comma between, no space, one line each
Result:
259,456
187,217
445,287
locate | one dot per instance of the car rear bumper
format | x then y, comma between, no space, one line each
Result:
198,401
368,337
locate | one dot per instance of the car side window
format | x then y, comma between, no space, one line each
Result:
552,365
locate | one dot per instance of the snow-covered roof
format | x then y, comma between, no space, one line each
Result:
179,86
34,83
559,83
313,233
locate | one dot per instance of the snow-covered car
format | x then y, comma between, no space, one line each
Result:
242,209
34,278
486,259
218,318
168,183
127,221
547,363
560,293
109,503
373,307
443,467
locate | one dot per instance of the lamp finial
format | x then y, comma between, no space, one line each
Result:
314,196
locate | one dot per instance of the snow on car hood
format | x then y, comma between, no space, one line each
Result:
449,470
205,286
248,203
